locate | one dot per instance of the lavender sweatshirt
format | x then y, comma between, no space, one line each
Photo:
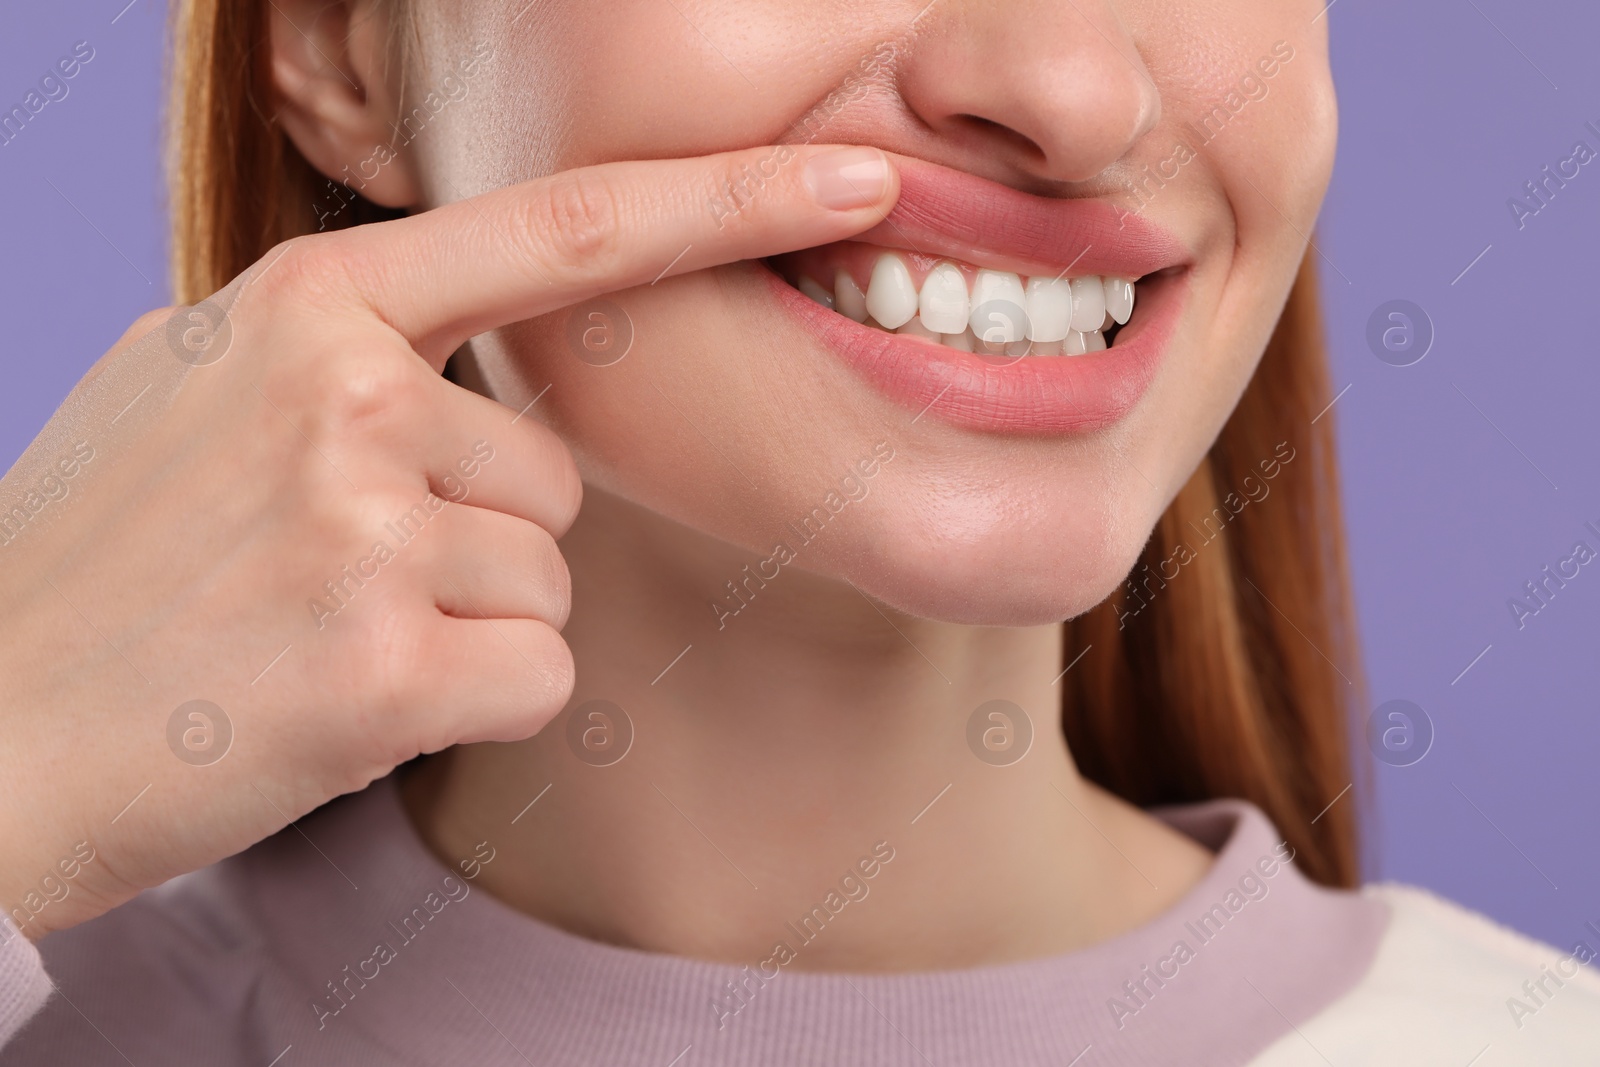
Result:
346,942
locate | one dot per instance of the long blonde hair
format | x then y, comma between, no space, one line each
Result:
1236,678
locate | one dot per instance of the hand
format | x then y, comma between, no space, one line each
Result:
299,522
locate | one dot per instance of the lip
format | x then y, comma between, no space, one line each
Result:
950,214
945,212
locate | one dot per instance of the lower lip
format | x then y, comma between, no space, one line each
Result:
1029,395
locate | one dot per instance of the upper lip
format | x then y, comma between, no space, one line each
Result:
951,214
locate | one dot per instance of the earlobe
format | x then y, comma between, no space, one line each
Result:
331,71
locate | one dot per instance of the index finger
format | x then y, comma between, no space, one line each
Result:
459,270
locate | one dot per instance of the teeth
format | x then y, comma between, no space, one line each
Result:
1088,303
1049,308
1004,314
816,292
915,328
943,301
1079,343
1119,299
999,307
891,295
849,300
1009,349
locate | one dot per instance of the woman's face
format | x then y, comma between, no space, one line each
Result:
1179,144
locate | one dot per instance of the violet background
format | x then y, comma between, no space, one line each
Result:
1451,465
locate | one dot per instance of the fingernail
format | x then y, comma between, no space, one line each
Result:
848,178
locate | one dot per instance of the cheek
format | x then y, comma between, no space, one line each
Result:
636,79
1247,83
659,78
1277,169
1275,153
1262,163
711,418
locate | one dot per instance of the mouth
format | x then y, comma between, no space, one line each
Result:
960,305
994,309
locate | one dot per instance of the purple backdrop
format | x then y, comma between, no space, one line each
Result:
1466,472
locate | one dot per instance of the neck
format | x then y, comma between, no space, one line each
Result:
777,757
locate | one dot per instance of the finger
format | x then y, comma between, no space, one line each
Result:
449,274
374,410
491,680
482,453
494,566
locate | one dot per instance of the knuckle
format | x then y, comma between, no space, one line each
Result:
347,525
577,222
149,321
362,387
385,648
140,328
310,265
425,546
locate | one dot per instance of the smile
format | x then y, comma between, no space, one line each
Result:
993,309
962,306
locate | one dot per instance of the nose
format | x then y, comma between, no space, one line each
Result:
1056,89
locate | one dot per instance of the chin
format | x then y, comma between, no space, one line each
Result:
991,581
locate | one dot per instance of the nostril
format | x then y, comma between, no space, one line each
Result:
990,130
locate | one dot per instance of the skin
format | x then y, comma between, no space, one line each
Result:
826,716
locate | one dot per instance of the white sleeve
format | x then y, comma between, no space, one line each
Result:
24,986
1449,987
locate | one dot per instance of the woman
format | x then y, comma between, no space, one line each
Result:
1006,319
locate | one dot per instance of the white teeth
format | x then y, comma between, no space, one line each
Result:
848,298
1049,303
1088,303
1079,343
1009,349
1119,299
891,294
915,328
816,292
999,307
943,301
1004,314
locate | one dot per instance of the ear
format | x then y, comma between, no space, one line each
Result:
340,94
